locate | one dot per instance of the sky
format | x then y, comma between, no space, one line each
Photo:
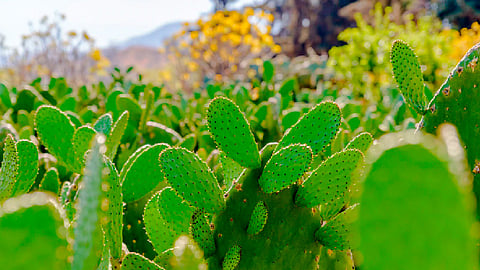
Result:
107,21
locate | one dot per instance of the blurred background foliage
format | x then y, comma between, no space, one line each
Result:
335,48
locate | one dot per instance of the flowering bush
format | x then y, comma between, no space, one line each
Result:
217,47
362,66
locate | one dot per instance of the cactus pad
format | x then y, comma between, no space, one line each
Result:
33,233
9,170
104,124
55,131
192,179
316,128
408,75
202,234
231,132
330,180
28,167
135,261
285,167
113,140
361,142
232,258
166,218
143,174
335,234
408,196
258,219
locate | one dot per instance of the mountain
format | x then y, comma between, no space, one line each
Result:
142,51
154,38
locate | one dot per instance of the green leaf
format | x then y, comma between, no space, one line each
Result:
285,167
330,181
316,128
231,132
28,167
408,75
192,179
268,71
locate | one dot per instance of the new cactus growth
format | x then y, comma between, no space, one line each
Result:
265,220
456,101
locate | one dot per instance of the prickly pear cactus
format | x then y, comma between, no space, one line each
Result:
33,233
412,189
19,167
265,220
456,101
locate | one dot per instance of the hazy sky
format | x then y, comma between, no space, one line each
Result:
105,20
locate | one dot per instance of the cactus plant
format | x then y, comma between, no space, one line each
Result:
416,200
261,221
19,167
455,102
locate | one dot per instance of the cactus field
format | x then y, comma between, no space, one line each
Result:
249,175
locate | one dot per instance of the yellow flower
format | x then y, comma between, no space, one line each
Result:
96,55
194,35
277,49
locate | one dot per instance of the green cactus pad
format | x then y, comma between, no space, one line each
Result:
189,142
411,204
408,75
82,139
258,219
143,174
104,124
112,206
316,128
192,179
456,102
33,233
202,234
55,131
87,247
330,180
113,140
336,233
135,261
156,132
166,217
232,133
231,170
285,167
9,170
232,258
50,181
361,142
28,167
